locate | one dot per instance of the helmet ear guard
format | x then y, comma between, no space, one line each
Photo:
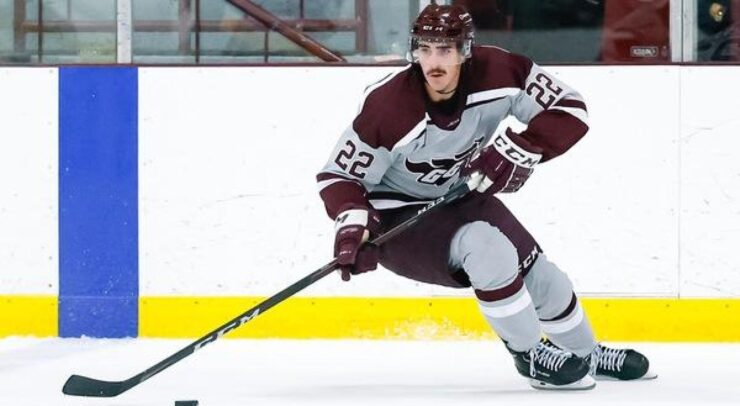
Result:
437,24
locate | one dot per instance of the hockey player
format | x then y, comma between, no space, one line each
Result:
417,132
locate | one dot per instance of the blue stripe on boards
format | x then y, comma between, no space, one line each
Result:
98,202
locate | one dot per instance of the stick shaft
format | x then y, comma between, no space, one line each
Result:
82,386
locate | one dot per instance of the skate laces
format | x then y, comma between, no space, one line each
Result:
611,359
550,357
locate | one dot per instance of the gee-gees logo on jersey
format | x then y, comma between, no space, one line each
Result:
440,170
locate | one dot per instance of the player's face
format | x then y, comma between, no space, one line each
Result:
440,63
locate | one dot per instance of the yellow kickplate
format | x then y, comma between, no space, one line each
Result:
28,316
614,319
692,320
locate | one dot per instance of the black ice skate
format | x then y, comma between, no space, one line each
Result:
549,367
615,364
619,364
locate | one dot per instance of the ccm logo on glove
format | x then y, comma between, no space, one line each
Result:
513,152
506,164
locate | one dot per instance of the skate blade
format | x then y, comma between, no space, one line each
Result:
585,383
649,375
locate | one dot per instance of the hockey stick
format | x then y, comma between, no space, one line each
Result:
78,385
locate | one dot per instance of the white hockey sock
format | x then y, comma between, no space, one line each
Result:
511,314
571,332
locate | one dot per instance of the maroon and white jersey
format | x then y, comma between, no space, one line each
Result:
403,149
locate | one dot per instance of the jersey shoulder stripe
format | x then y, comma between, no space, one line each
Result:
392,111
495,68
488,96
370,88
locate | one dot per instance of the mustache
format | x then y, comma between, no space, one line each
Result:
436,70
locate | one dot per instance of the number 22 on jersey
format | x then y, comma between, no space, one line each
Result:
346,158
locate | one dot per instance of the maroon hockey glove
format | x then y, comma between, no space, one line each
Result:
353,228
506,163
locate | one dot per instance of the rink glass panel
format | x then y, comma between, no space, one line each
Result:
366,31
57,31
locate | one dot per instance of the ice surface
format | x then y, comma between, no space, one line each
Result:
354,373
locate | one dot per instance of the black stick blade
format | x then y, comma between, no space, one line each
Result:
78,385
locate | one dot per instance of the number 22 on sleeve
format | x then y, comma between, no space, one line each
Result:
346,158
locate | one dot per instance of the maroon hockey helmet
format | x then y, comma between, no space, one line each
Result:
442,24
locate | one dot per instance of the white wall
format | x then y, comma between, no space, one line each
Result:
607,211
229,207
645,205
710,187
228,156
28,181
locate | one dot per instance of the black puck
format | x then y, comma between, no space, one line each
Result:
186,403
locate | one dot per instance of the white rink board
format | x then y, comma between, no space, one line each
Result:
229,206
710,170
606,211
227,164
629,211
28,181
